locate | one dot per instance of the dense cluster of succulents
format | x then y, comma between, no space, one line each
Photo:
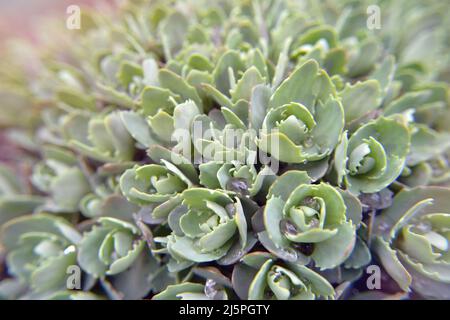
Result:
324,148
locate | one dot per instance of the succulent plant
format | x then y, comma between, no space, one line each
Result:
153,183
372,158
205,226
241,149
412,240
240,178
14,202
302,124
310,220
267,278
59,175
109,248
40,248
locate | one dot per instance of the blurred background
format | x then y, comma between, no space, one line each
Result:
25,20
18,18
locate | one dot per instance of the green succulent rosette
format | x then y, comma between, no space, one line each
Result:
427,103
426,108
39,250
412,238
172,128
164,128
158,186
153,183
13,201
304,121
110,247
307,220
373,157
167,99
95,205
233,79
106,198
60,176
230,134
236,177
321,44
435,170
103,137
205,227
260,276
440,169
225,143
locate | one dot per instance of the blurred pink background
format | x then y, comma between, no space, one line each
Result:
19,17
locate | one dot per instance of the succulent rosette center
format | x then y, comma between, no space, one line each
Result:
373,157
153,183
293,120
240,178
310,214
368,158
293,127
285,284
206,225
308,219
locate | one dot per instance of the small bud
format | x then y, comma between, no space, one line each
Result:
288,227
238,185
